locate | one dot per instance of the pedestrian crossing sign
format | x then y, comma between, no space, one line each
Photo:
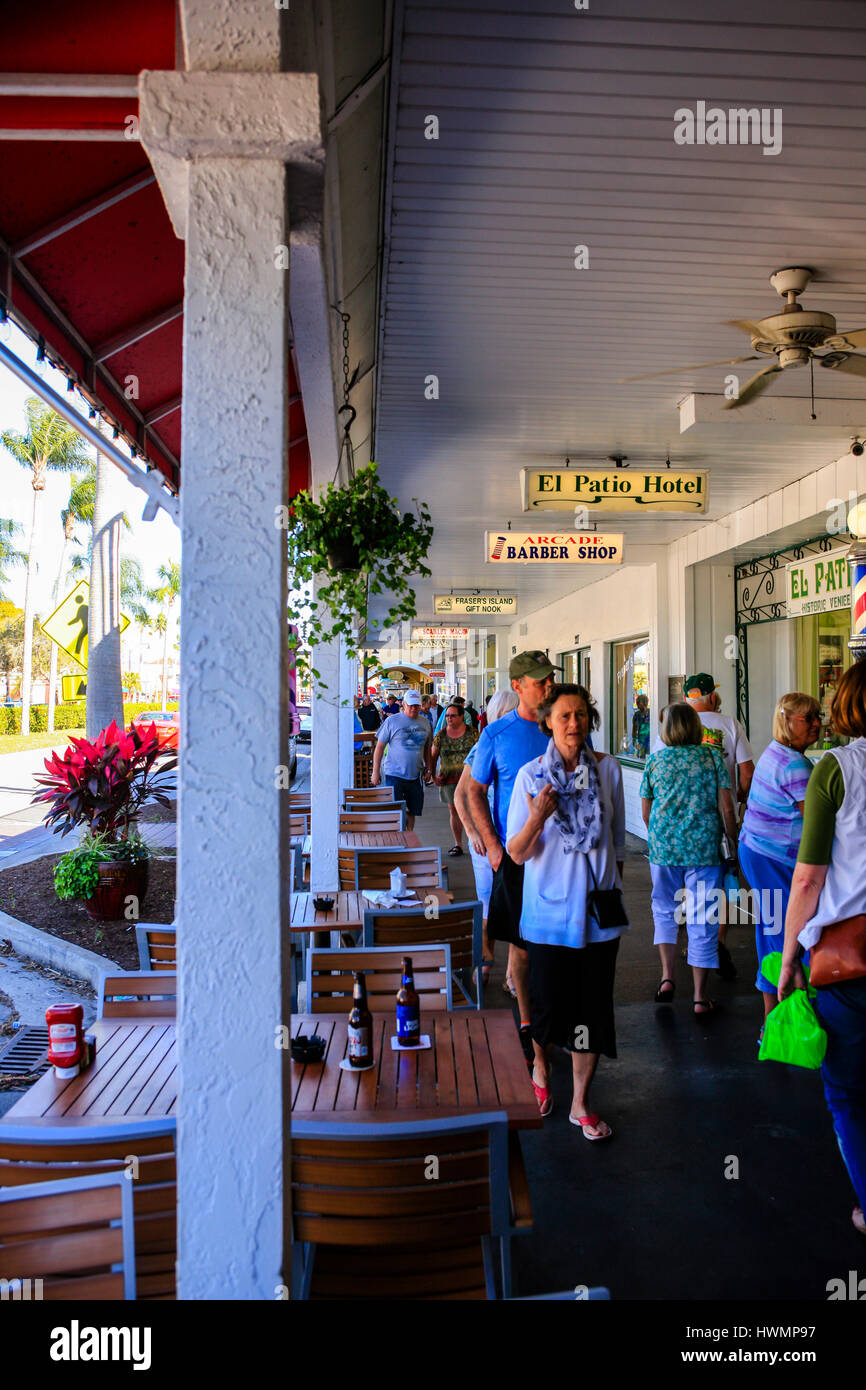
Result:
73,688
67,625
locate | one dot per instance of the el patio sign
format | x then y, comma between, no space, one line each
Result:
614,489
818,584
476,602
561,548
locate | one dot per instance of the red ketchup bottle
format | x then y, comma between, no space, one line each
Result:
65,1039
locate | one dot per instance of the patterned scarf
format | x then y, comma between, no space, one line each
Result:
578,816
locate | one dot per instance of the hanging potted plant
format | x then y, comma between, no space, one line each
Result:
355,541
102,786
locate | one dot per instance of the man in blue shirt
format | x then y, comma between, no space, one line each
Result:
502,750
409,740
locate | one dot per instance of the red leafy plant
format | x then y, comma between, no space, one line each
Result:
104,784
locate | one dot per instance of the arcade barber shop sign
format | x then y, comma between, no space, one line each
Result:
549,548
614,490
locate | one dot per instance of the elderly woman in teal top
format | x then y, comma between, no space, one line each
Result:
566,824
685,798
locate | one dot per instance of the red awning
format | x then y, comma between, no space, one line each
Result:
90,266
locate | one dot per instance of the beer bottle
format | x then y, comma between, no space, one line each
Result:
408,1008
360,1025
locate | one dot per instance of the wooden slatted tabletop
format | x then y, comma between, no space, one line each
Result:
371,839
134,1075
347,914
476,1063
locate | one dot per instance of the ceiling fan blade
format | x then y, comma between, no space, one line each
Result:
851,363
754,387
695,367
840,341
755,330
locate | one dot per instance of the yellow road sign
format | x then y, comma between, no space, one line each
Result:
73,688
67,625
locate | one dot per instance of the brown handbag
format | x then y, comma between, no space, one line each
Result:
840,952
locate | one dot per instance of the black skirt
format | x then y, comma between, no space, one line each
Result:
571,996
506,903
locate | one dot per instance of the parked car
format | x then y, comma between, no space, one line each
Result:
305,732
166,723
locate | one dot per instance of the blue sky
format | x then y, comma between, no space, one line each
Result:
152,543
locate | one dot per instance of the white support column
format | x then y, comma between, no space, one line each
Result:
221,142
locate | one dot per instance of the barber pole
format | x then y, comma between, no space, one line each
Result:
857,559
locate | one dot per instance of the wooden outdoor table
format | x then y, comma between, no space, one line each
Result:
476,1064
347,914
371,839
133,1076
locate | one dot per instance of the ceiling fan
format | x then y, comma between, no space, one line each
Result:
792,337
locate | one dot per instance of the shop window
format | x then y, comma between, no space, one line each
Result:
576,667
822,657
630,690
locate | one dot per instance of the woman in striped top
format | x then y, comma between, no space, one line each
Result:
773,823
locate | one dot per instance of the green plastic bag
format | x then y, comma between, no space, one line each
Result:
792,1032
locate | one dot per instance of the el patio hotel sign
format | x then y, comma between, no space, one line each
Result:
562,548
614,489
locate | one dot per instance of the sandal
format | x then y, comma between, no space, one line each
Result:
544,1098
591,1122
454,851
702,1007
508,986
665,996
858,1220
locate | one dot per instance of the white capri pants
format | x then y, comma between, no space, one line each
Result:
483,878
702,888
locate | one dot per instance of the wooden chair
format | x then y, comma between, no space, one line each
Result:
369,1223
31,1154
146,994
157,946
299,822
329,978
358,806
363,769
300,802
367,822
458,924
372,867
367,794
75,1237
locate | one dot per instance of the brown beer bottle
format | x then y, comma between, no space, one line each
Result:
408,1008
360,1024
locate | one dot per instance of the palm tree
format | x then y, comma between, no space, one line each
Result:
78,511
9,531
167,593
49,445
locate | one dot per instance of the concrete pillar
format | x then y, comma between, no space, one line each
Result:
220,144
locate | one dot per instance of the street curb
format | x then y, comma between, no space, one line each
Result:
56,953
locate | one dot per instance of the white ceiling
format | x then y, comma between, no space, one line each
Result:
556,129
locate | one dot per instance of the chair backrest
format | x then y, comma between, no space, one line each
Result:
363,769
299,822
366,822
74,1233
300,801
422,867
458,924
329,978
142,1151
367,794
157,946
363,1186
358,806
145,994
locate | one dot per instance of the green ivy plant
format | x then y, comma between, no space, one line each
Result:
357,536
76,875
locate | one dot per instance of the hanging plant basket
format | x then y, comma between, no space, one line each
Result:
357,536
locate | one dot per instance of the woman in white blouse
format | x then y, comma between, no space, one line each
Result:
566,824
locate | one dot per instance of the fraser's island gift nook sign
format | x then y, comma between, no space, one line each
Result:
475,602
614,489
562,548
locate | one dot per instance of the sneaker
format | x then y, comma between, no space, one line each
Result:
726,967
526,1044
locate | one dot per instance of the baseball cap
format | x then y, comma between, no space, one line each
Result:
701,684
536,665
412,697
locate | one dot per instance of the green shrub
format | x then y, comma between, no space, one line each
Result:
77,874
70,716
130,711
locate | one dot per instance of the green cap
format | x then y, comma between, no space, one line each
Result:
536,665
701,684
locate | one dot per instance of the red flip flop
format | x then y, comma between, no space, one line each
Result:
590,1122
544,1098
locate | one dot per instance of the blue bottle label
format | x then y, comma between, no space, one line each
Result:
408,1020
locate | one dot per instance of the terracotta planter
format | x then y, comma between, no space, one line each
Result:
118,880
